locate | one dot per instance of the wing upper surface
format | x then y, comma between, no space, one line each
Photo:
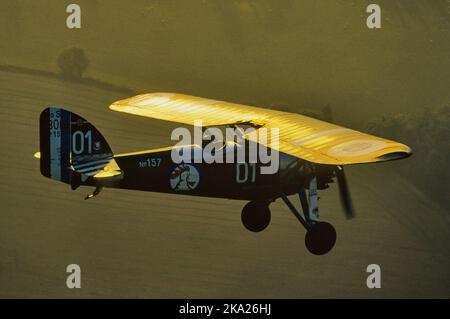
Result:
186,109
325,143
301,136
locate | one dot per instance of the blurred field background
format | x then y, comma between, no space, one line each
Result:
301,56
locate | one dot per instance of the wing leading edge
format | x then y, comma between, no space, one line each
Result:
301,136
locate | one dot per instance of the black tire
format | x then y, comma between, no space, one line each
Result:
256,216
320,238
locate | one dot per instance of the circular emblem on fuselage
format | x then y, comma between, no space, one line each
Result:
184,177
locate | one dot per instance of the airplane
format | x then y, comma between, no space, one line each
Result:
312,154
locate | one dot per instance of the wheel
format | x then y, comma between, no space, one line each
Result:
256,216
320,238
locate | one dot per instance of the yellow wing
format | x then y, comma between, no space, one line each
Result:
324,143
186,109
301,136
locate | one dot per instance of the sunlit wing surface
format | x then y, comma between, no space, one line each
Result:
301,136
187,109
324,143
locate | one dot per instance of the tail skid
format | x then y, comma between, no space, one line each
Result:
97,191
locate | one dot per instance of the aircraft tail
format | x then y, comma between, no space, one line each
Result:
71,148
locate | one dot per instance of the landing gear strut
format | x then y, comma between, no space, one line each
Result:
320,236
256,215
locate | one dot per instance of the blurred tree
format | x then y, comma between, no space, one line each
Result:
427,133
73,62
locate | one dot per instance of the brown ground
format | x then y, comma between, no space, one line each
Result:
136,244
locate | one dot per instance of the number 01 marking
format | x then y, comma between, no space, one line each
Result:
78,142
244,167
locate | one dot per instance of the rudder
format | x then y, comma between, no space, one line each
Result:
69,143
